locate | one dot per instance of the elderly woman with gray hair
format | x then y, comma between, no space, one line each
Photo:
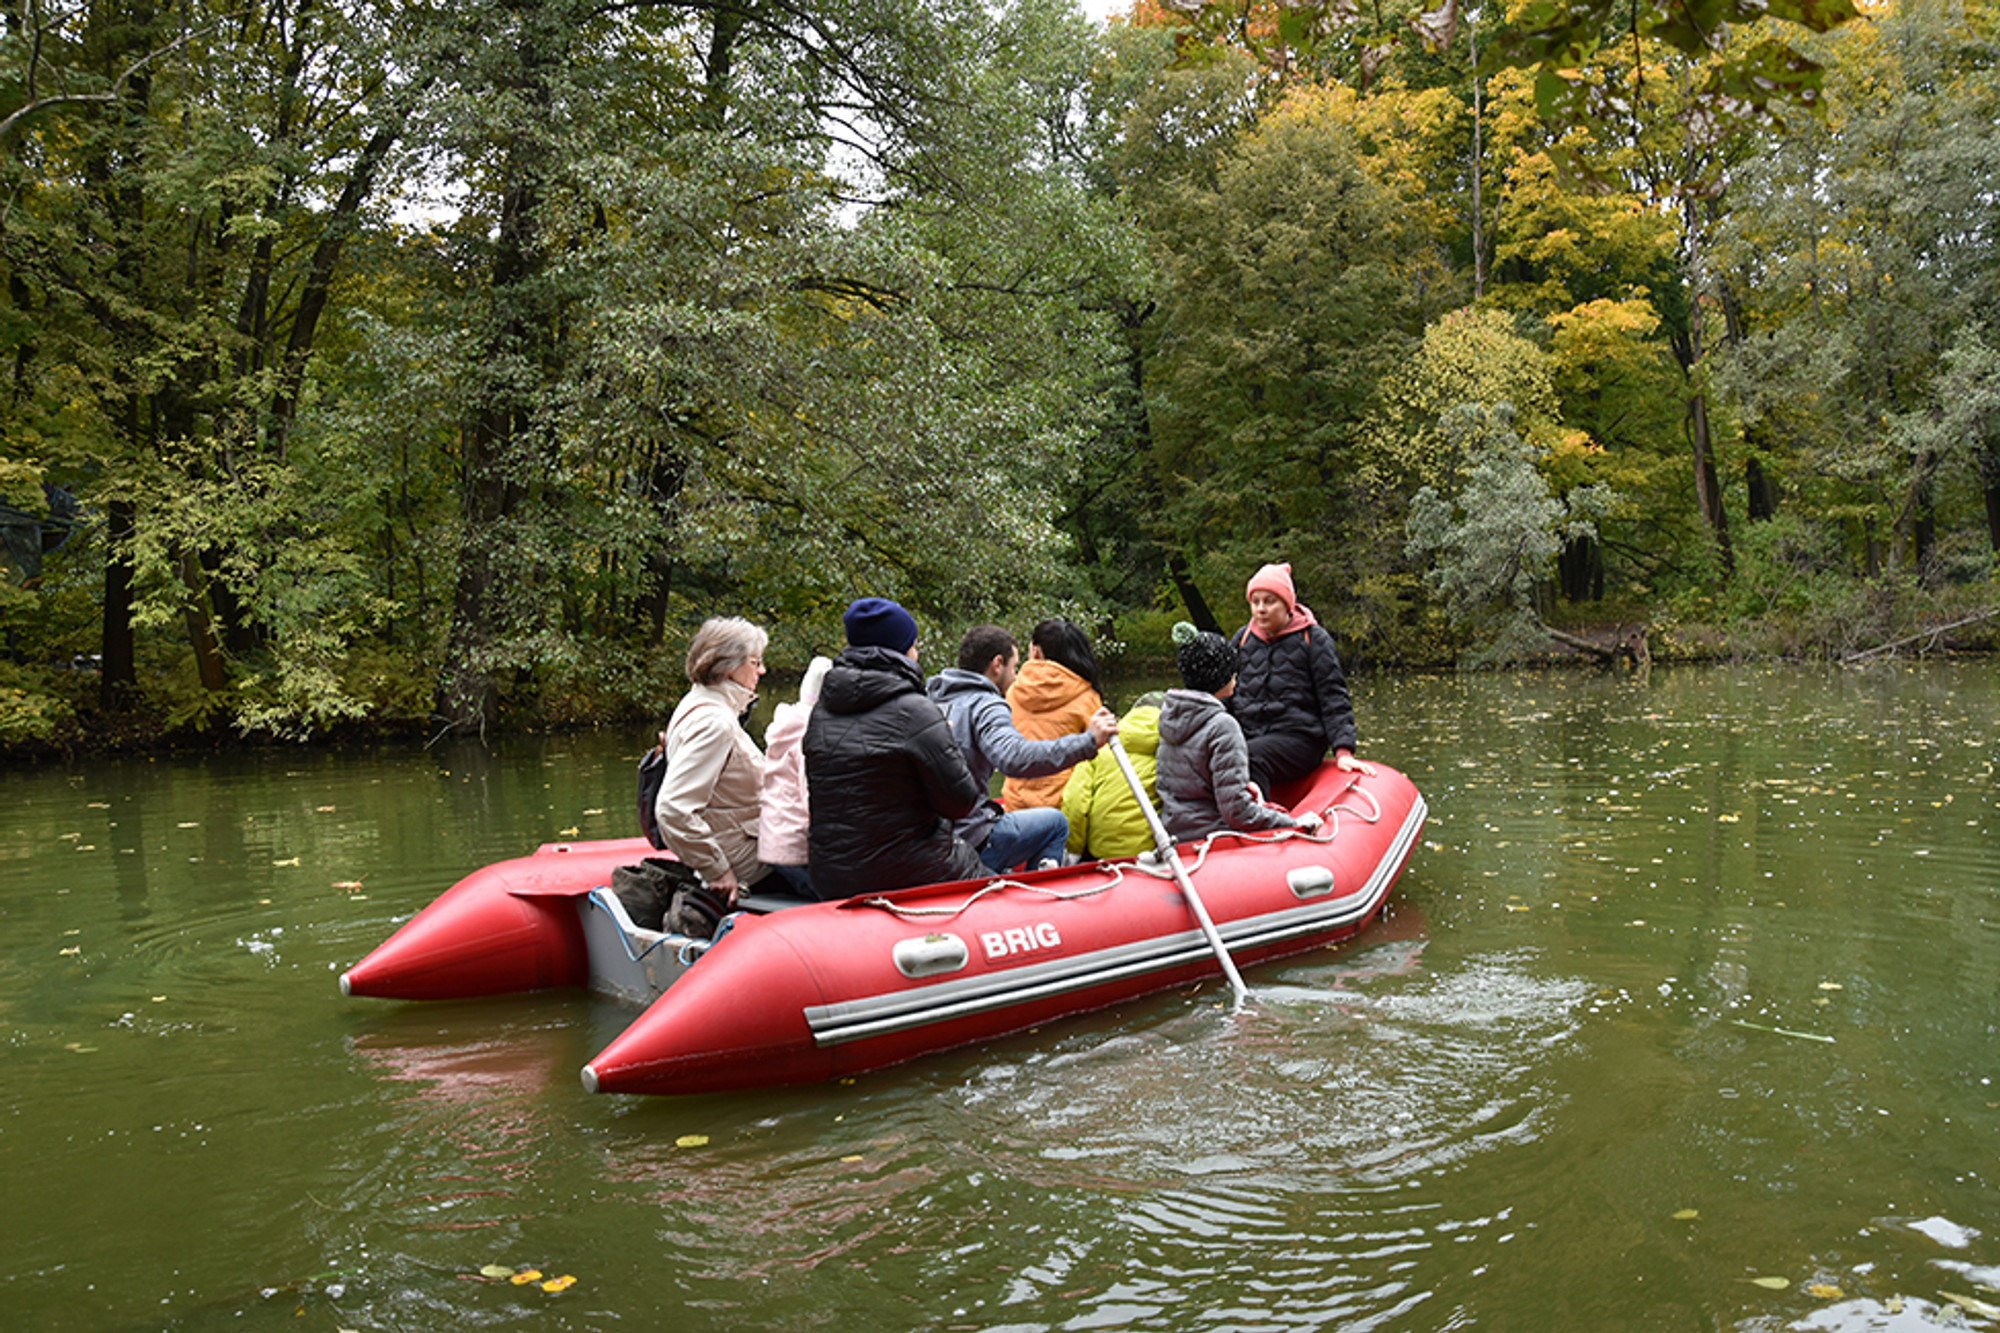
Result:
709,799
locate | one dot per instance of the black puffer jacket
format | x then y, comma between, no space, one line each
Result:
885,780
1293,683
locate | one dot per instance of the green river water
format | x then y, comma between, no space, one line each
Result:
1570,1081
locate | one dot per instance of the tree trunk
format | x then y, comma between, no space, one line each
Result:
119,677
1197,605
1689,350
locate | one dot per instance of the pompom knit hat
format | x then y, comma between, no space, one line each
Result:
1276,580
1207,661
877,622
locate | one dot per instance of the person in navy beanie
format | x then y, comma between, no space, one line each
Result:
885,780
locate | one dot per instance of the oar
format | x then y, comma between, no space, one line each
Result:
1165,846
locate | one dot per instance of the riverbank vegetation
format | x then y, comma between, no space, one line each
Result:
438,367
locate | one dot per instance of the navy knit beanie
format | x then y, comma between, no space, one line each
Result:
877,622
1207,661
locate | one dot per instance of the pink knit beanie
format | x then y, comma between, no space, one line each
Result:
1276,580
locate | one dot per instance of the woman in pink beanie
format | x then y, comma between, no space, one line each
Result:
1291,695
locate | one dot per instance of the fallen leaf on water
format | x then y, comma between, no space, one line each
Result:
79,1048
349,884
558,1283
852,1157
1831,985
566,833
1772,1283
1826,1291
1728,819
1894,1305
189,823
1687,1214
593,812
525,1276
323,809
1972,1304
288,861
70,952
496,1270
158,999
691,1141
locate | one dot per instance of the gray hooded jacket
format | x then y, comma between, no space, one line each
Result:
1204,771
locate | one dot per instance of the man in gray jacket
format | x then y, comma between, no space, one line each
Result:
973,696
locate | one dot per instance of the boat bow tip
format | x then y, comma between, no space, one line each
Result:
589,1080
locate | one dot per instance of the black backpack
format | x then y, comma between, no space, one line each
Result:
664,895
652,772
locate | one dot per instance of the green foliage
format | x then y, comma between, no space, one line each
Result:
1293,286
757,310
1493,543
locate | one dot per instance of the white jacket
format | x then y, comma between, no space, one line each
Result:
710,800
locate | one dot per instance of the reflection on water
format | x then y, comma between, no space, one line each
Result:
1577,1078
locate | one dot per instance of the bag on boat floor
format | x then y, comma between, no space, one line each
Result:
695,911
653,889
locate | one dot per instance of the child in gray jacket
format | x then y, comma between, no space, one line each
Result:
1204,764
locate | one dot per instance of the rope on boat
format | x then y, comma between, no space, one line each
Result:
1115,871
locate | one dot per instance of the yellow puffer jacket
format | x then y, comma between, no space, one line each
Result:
1104,820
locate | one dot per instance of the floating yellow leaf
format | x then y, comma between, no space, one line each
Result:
1826,1291
525,1276
852,1157
559,1283
323,809
1972,1304
347,884
1831,985
1687,1214
691,1141
70,952
188,823
288,861
159,999
1728,819
567,833
1772,1283
496,1270
593,812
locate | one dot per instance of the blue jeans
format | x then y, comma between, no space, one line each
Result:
1025,836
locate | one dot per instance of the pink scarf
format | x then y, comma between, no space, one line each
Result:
1302,619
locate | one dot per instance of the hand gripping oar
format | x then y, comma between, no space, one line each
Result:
1165,846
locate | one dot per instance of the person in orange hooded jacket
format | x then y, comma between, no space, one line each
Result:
1055,694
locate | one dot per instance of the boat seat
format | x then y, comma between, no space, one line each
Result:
763,904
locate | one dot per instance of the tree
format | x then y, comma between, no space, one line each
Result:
1493,543
1288,290
183,209
1862,275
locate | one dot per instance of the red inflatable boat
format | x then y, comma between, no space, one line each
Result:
826,990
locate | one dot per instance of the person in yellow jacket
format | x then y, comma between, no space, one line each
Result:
1054,695
1104,821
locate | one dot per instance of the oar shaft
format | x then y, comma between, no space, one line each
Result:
1165,846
